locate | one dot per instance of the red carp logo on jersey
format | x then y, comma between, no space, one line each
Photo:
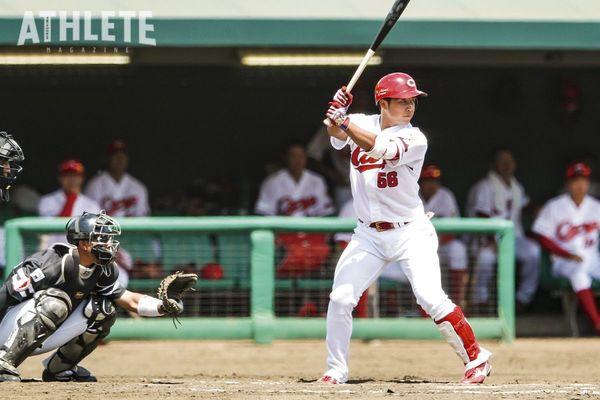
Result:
565,231
288,206
362,162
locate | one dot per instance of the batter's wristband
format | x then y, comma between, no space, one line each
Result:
344,125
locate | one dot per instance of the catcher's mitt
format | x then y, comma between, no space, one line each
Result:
171,289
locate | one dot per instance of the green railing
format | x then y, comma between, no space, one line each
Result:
262,325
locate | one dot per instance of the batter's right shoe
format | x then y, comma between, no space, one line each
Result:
77,374
478,374
328,379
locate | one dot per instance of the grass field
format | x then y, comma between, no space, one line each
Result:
527,369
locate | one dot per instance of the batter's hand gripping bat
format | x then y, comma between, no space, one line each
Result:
388,24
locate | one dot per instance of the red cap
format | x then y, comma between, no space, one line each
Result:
431,171
117,145
71,165
577,169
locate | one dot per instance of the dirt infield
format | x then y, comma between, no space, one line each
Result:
528,369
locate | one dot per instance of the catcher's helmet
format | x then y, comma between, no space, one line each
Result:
98,229
10,155
397,85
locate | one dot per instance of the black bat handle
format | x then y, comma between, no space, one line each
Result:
391,19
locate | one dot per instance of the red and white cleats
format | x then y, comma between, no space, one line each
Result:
478,374
328,379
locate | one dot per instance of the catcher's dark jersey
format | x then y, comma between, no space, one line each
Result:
54,268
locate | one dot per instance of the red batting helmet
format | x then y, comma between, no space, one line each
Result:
397,85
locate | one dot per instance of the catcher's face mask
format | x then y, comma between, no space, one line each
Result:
103,239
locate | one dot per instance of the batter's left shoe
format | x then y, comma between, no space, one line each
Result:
328,379
77,374
478,374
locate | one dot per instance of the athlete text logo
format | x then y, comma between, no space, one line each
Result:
78,26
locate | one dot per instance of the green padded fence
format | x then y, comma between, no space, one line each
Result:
262,325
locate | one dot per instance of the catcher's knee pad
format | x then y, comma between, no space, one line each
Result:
52,306
101,314
50,309
342,298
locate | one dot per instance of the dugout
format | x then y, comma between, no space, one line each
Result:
513,75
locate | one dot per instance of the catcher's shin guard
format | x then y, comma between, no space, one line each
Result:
101,315
51,308
459,334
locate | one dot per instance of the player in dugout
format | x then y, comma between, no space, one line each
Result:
567,227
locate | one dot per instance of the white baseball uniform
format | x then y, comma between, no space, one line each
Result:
125,198
280,194
574,229
385,189
452,252
492,197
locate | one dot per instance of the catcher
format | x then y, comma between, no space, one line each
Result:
63,299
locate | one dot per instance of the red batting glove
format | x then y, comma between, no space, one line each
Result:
343,97
337,115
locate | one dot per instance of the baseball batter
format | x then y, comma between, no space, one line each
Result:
387,157
567,227
500,195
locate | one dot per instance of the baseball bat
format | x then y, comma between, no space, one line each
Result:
391,19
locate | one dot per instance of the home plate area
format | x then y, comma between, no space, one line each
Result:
127,370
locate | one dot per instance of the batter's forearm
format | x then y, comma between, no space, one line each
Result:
363,138
337,133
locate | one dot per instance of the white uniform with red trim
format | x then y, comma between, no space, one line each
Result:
52,204
125,198
280,194
575,229
491,196
385,190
